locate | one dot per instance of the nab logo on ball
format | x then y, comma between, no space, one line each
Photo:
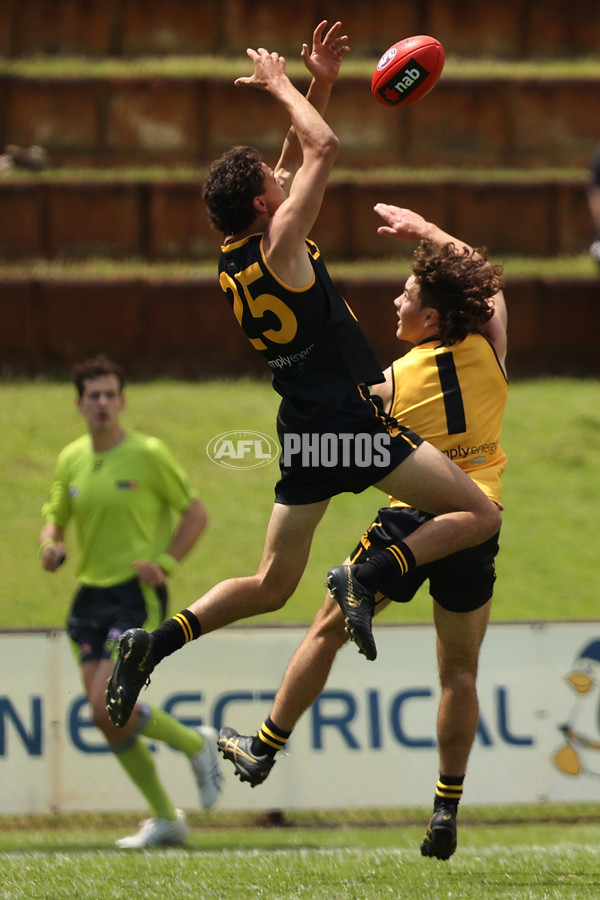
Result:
242,449
408,70
404,83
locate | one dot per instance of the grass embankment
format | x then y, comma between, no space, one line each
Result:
547,567
231,67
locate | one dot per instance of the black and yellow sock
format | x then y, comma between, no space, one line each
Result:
270,739
448,791
174,634
381,571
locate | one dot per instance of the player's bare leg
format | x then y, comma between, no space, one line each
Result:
462,516
459,639
285,554
303,681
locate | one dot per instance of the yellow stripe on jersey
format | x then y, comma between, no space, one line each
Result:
454,398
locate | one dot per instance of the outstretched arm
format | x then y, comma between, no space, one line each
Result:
407,225
289,224
323,62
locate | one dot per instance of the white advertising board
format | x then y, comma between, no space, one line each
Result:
368,741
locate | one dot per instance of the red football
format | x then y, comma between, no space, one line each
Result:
408,70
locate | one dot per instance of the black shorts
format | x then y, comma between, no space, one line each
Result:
100,615
461,582
348,453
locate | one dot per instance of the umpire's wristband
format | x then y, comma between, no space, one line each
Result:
167,563
45,545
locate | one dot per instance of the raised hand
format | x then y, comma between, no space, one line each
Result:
401,223
268,67
325,59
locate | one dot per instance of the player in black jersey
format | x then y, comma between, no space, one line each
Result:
322,365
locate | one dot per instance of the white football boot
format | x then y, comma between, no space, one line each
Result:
157,833
207,768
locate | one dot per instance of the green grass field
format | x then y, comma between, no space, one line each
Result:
77,859
547,567
547,570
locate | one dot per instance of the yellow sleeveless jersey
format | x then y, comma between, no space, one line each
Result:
454,397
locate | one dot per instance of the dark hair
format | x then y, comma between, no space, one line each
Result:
95,368
232,183
459,284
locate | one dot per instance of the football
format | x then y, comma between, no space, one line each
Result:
408,70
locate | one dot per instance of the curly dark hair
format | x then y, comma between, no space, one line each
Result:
96,368
459,284
232,183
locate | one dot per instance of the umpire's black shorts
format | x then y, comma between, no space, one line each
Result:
349,452
461,582
99,616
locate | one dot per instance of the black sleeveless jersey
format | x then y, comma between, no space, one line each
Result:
310,338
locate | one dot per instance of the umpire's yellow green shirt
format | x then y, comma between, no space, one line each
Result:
121,502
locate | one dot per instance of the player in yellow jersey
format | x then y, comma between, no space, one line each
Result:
120,489
451,387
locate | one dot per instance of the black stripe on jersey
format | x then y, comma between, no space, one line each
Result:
453,402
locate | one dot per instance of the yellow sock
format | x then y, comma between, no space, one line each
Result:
138,763
160,726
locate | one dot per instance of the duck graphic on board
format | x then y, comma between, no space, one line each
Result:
580,752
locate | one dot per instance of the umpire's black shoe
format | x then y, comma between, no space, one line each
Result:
131,672
357,604
238,749
440,838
